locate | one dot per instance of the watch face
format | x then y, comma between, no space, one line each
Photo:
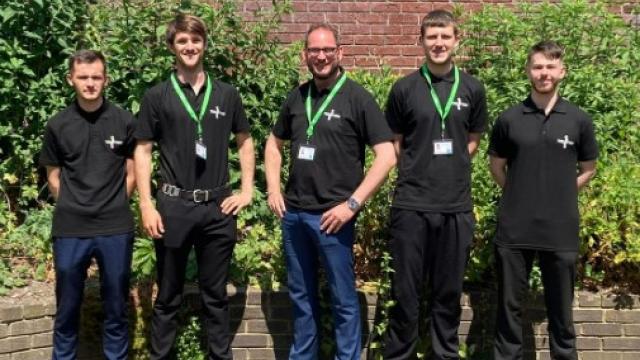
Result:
353,204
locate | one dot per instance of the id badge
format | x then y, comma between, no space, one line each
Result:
306,152
201,150
443,147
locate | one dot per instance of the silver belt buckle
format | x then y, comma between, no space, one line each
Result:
170,190
200,191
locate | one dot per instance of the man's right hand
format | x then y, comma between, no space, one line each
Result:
276,203
152,221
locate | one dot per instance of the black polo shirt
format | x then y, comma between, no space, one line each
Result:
163,119
539,204
351,121
91,150
428,182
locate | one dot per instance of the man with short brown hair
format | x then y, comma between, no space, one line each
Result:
542,152
87,150
191,117
438,114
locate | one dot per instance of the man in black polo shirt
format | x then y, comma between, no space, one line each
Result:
328,121
87,151
438,114
542,152
191,117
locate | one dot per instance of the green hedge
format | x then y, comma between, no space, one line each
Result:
35,39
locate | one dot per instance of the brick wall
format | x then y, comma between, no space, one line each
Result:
607,326
379,32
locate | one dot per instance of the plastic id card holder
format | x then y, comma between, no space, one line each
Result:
201,150
306,152
443,147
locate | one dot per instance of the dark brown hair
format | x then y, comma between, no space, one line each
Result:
324,26
185,23
549,48
86,57
438,18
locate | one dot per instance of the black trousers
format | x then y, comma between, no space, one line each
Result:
432,247
558,278
213,235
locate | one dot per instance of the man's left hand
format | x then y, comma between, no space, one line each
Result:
234,203
333,219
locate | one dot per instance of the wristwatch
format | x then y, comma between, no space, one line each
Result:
353,204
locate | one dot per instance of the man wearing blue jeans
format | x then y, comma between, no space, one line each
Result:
87,151
328,121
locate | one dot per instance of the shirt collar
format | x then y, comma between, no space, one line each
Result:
186,85
314,90
530,107
448,77
94,115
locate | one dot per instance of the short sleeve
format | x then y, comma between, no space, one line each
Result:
393,112
375,129
588,146
147,126
478,119
50,154
499,139
282,127
239,124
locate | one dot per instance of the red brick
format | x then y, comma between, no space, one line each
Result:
404,19
371,18
349,29
367,62
316,6
341,18
386,8
299,6
386,30
354,7
411,30
422,8
293,28
356,50
401,40
387,50
346,39
413,51
402,62
369,40
308,17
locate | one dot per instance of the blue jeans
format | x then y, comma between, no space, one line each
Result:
72,257
305,245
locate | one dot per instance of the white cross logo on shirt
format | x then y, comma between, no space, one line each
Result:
331,114
565,141
112,142
217,112
460,104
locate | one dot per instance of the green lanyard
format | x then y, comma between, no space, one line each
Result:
313,120
187,105
436,100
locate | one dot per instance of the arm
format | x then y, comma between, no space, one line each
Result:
498,168
53,181
474,142
586,172
234,203
272,164
131,177
151,220
385,159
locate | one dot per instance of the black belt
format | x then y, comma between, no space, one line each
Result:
197,195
